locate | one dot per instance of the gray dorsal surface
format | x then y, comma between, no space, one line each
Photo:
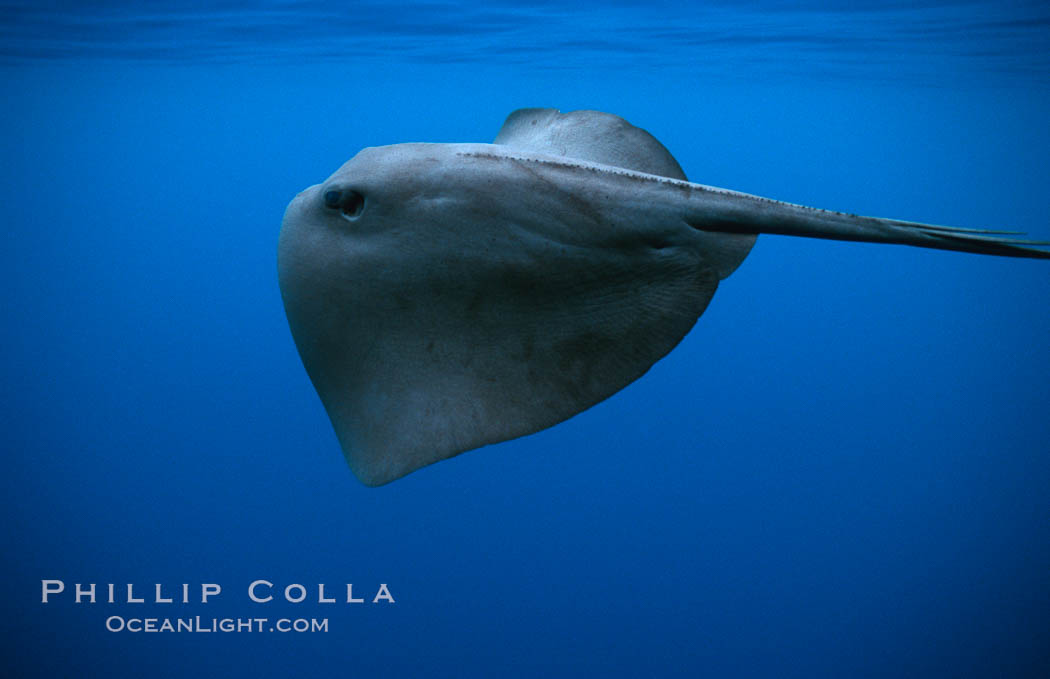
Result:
610,140
588,135
447,296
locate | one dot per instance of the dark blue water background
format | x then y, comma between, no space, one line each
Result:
842,471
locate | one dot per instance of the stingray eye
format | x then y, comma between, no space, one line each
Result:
349,203
332,198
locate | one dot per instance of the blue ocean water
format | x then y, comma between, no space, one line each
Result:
841,471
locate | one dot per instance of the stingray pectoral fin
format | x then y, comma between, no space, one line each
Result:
588,135
718,210
610,140
511,349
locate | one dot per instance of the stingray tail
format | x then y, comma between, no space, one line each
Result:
731,212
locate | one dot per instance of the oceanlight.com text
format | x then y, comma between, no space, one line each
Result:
117,623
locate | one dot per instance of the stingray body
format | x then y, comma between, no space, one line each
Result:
447,296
